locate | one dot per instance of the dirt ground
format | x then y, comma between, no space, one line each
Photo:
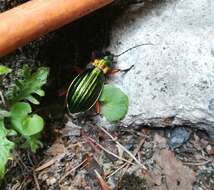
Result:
125,158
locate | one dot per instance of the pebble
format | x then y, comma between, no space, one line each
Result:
210,150
51,180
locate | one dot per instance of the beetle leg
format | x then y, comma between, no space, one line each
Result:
61,92
113,71
97,107
76,69
128,69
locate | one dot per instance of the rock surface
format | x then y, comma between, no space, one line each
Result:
172,81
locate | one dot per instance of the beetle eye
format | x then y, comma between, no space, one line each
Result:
109,55
109,60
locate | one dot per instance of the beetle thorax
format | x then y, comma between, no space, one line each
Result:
102,64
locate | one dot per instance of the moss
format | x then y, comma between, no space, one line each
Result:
132,182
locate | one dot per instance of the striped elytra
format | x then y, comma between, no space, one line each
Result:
85,90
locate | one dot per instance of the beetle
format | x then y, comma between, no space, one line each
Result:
85,90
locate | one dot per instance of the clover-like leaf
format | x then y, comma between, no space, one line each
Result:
25,124
114,103
20,109
5,147
4,70
32,125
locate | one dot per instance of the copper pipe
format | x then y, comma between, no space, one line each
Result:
30,20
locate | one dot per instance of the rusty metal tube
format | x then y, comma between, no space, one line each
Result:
30,20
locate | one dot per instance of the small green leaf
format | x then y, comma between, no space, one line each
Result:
114,103
25,124
28,125
40,92
28,84
32,125
32,100
2,129
4,113
4,70
33,143
5,147
11,133
20,109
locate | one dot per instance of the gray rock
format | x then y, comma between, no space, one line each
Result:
177,137
172,81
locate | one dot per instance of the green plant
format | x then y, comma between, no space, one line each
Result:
114,103
16,117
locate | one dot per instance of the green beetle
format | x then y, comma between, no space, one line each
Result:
86,88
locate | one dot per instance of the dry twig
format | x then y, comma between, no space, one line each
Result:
2,98
197,163
117,170
73,169
108,151
137,149
20,161
131,159
102,182
122,147
49,163
36,181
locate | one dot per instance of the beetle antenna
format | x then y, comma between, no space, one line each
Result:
139,45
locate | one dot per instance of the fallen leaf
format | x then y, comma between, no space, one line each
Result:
56,149
174,175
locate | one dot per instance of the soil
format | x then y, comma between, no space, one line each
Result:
72,153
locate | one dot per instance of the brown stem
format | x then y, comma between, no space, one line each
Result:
30,20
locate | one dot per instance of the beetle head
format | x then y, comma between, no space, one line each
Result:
103,61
